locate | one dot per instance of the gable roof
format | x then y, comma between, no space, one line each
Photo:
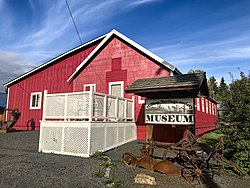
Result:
129,41
193,84
51,62
103,40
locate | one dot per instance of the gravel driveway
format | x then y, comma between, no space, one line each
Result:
22,166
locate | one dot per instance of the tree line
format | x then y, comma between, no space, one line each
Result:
234,103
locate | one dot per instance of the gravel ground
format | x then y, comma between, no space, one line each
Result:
22,166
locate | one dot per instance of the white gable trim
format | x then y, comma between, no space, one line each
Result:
53,60
131,42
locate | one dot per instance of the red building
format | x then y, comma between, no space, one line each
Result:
107,64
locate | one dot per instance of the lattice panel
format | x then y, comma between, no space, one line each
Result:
76,140
51,138
129,109
78,105
111,107
98,107
97,138
129,132
55,106
121,134
111,138
121,108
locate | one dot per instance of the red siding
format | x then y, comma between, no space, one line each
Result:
204,121
133,66
53,78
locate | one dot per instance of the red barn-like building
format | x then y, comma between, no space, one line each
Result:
107,64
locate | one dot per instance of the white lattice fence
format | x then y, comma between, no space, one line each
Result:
67,138
84,138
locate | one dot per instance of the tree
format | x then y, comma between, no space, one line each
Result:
237,112
213,87
223,90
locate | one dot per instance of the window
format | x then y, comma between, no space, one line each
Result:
90,87
198,104
206,106
202,104
210,107
35,100
116,88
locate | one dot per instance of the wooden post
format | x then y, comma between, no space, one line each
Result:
149,133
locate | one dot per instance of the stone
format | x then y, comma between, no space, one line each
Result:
145,179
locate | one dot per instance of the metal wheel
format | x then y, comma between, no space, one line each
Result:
197,172
129,159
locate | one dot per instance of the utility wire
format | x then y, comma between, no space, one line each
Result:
73,22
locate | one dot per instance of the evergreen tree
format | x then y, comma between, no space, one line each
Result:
237,112
213,87
222,91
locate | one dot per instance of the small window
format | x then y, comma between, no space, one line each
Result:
206,106
35,100
116,88
90,87
210,107
203,105
198,104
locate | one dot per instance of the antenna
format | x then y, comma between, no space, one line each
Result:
74,22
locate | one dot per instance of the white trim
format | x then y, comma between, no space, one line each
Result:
53,60
7,104
140,100
115,83
131,42
40,102
91,86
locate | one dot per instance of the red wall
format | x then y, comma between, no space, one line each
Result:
133,66
205,121
53,78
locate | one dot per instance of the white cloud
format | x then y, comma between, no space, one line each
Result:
142,2
13,65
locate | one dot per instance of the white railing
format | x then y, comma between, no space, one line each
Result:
87,106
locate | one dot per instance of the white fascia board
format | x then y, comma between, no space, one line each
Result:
91,54
144,50
51,61
131,42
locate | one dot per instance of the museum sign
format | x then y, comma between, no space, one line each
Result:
170,111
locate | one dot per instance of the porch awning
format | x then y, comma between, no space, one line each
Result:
185,85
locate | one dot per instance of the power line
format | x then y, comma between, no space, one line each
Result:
73,22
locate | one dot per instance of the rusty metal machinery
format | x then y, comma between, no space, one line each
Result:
188,158
7,124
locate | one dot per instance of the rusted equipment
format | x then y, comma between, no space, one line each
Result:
6,125
192,159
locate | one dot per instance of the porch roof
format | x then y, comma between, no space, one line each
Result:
185,85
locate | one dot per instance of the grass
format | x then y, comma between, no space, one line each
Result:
211,138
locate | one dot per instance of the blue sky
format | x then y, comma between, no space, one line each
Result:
213,35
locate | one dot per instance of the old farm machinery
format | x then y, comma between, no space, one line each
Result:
187,157
6,125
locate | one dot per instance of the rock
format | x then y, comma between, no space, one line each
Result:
144,179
